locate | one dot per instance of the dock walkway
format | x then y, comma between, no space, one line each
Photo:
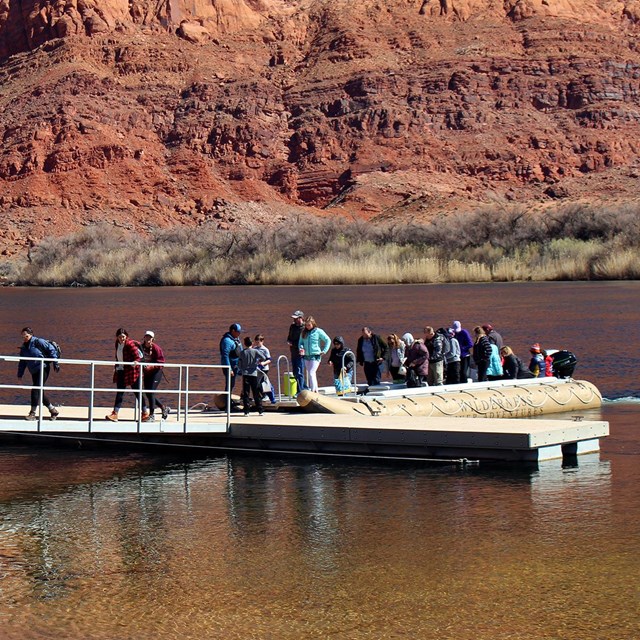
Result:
371,436
284,430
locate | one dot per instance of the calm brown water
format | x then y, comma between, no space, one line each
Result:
132,546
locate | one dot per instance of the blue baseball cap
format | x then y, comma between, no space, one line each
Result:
235,327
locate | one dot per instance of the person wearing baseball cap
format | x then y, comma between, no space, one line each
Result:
230,349
293,340
153,355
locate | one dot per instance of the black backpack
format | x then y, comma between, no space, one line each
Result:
446,341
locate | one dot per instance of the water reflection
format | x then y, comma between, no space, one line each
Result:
254,547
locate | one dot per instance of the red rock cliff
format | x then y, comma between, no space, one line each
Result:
154,114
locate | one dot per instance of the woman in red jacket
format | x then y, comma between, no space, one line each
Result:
125,375
153,357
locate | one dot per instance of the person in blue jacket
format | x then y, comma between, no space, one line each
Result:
230,349
33,347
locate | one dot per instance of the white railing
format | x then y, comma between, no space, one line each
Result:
182,392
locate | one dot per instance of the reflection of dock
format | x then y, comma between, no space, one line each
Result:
350,435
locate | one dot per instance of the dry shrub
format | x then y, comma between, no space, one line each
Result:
618,265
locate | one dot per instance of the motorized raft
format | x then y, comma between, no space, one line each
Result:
495,399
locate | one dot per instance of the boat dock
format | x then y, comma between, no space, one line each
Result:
194,426
457,439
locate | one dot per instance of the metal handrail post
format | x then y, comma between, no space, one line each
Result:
139,395
186,398
40,408
92,394
279,374
228,398
179,407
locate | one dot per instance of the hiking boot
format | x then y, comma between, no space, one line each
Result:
54,413
113,416
165,412
31,416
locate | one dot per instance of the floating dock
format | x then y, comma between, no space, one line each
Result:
377,436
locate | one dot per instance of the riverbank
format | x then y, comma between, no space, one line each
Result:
575,243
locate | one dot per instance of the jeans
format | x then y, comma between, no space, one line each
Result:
373,372
297,366
121,385
35,392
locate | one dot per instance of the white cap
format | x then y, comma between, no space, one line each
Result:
150,333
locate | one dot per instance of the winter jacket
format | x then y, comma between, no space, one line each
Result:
35,348
131,353
380,348
337,357
418,358
154,355
228,354
315,344
435,346
482,350
293,338
466,343
514,368
454,354
495,366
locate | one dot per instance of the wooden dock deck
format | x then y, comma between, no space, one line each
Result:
305,433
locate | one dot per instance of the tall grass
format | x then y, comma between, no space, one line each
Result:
497,245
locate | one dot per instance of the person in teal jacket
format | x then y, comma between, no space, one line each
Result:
314,343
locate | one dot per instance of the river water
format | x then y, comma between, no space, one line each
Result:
119,546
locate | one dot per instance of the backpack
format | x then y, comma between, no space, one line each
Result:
236,350
412,378
446,341
56,348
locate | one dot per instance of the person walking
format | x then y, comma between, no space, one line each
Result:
293,340
230,349
126,373
33,347
314,343
153,357
371,353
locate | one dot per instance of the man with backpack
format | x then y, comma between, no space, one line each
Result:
33,347
435,344
230,349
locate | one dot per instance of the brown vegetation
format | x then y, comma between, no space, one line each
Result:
573,243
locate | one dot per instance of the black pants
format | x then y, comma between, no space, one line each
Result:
35,392
483,365
373,372
251,385
453,373
121,385
150,383
465,363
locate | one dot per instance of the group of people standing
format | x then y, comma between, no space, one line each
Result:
441,356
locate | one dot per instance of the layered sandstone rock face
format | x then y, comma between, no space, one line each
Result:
149,115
